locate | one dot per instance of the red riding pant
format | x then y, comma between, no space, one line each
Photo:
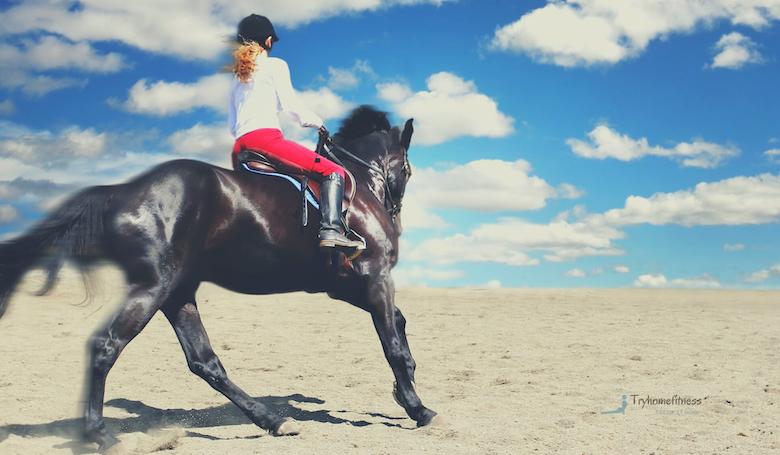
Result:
286,155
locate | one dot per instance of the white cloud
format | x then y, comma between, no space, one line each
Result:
105,169
394,92
43,188
510,240
652,281
462,248
622,269
415,216
69,143
735,51
760,276
326,104
51,53
764,275
569,191
660,281
492,284
579,273
42,194
561,34
74,155
734,201
40,85
733,247
323,102
75,158
602,32
84,143
772,155
10,130
349,78
168,98
484,186
176,27
18,63
25,190
8,214
190,30
702,281
342,79
452,107
214,142
7,107
608,143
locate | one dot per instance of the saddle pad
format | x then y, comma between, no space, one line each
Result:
309,196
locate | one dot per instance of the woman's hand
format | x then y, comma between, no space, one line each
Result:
324,132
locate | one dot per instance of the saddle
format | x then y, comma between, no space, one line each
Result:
254,160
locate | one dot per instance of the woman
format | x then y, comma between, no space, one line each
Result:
261,89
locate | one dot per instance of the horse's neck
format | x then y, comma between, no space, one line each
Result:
372,181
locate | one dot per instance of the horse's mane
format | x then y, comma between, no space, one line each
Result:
363,121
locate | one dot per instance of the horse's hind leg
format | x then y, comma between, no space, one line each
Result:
104,349
204,362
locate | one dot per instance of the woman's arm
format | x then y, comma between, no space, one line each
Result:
290,101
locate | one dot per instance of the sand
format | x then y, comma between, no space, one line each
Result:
511,371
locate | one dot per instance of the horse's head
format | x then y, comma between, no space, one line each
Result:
399,169
368,135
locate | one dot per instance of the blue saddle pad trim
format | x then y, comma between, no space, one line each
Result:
296,183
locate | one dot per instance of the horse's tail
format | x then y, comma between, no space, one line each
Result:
73,230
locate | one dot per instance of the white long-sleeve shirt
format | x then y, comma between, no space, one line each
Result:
257,103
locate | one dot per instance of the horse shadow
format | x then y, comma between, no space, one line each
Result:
146,418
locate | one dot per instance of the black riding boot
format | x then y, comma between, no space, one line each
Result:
332,225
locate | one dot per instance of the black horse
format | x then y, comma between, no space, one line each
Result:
185,222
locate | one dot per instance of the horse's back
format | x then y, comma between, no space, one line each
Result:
166,211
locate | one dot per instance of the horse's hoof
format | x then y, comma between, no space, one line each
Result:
288,428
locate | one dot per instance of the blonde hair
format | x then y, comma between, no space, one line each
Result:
244,60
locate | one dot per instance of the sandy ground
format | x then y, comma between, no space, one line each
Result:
511,370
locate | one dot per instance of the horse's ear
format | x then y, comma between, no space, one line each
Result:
406,135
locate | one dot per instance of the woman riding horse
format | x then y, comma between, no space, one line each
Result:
186,222
260,90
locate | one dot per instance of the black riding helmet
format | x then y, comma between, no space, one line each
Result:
256,28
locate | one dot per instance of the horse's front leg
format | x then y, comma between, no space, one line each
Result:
391,327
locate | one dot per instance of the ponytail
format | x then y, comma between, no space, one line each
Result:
244,60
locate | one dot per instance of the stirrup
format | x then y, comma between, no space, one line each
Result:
352,249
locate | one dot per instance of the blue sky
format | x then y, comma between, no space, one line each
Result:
598,143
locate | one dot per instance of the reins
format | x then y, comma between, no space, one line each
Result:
324,144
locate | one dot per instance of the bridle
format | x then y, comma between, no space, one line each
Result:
393,205
405,170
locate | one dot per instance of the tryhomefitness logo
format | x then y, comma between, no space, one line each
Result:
676,405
